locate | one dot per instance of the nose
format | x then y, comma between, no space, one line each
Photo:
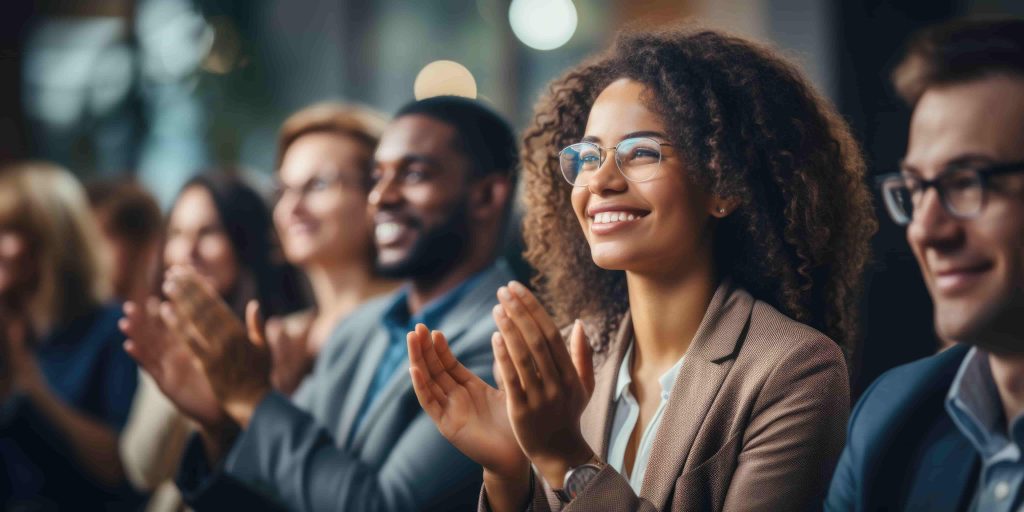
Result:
384,192
932,225
288,205
607,178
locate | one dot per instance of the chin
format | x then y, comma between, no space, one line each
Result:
991,326
610,259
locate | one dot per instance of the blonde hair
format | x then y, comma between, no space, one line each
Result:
46,204
360,123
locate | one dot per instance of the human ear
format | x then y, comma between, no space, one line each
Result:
721,207
490,195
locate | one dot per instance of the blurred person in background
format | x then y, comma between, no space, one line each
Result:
696,203
222,228
132,223
65,384
352,437
947,432
325,156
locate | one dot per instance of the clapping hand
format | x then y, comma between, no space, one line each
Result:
158,343
290,352
234,357
470,413
546,388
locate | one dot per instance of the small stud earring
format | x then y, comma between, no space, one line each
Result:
721,210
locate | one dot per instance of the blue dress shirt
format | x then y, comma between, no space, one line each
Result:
973,403
399,321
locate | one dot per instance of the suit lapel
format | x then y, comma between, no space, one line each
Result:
947,471
370,356
472,308
707,363
595,423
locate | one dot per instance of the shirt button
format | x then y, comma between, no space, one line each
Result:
1002,490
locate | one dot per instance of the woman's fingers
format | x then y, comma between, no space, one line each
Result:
519,354
509,377
170,318
532,336
582,358
545,323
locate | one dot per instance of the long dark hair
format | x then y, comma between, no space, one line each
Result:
246,219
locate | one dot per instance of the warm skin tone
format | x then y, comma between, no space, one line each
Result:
419,175
157,338
93,443
974,268
667,255
195,237
324,228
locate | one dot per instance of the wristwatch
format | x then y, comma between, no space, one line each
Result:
577,478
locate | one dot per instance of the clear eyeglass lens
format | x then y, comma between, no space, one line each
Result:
962,191
898,200
638,158
578,159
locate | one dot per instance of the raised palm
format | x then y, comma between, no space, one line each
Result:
471,414
156,342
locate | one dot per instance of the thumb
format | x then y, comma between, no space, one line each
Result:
582,356
254,324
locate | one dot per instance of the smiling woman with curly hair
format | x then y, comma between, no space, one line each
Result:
703,210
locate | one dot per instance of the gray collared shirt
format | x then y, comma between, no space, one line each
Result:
973,403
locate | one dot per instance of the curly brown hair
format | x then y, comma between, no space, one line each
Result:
754,130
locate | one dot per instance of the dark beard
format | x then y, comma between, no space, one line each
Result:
436,252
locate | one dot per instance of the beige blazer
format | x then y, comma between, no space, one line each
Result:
756,420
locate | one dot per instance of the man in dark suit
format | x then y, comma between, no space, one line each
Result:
947,432
353,437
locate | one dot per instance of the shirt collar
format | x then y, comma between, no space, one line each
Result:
974,405
397,315
667,379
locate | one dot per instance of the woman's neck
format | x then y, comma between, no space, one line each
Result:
666,312
340,288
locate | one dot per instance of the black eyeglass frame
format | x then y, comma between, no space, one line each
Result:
982,175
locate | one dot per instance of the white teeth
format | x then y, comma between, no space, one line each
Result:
610,217
387,232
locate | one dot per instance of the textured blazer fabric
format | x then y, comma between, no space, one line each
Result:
756,420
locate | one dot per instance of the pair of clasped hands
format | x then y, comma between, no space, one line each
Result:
534,414
212,367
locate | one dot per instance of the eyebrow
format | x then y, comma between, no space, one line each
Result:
411,159
643,133
959,161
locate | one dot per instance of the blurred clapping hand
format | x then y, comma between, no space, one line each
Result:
235,360
158,342
290,351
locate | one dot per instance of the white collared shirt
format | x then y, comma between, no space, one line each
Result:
627,412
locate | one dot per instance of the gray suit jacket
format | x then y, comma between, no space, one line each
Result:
302,453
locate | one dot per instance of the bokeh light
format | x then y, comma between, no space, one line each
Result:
543,24
444,77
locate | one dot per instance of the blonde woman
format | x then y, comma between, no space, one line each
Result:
66,385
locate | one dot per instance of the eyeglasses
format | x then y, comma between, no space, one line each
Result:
312,186
961,190
638,159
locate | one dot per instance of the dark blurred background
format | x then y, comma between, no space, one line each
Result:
159,89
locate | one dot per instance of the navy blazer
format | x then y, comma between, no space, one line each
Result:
903,451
